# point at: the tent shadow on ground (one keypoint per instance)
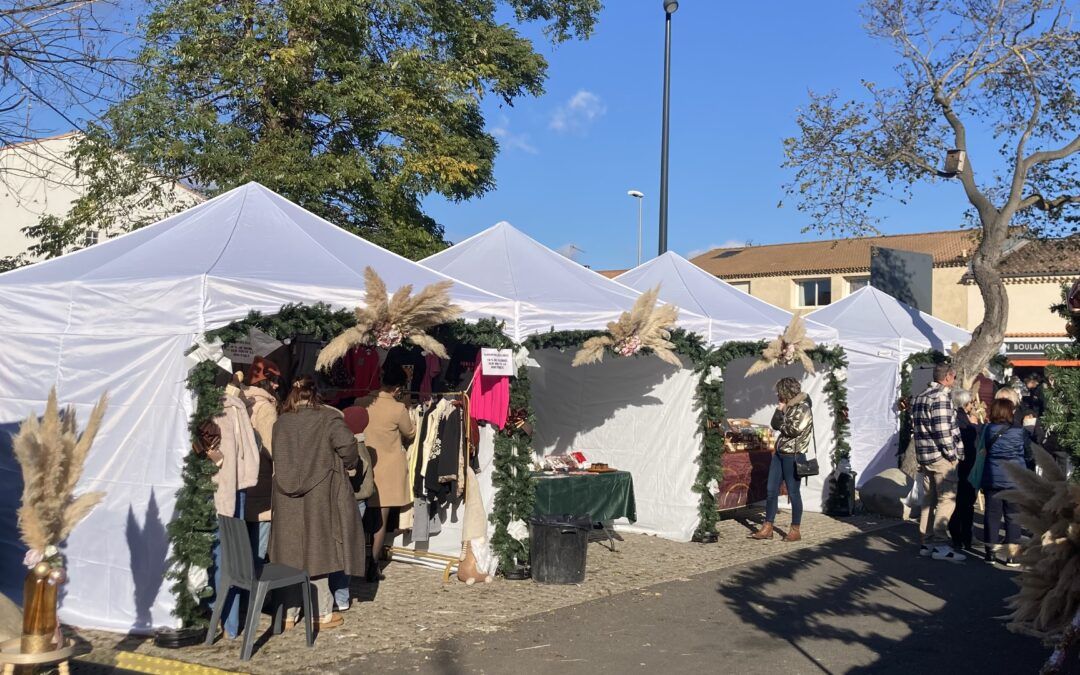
(890, 602)
(148, 547)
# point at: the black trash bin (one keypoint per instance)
(557, 547)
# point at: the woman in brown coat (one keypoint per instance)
(389, 426)
(316, 526)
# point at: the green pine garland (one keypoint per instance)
(191, 532)
(513, 478)
(1062, 414)
(930, 357)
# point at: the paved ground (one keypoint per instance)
(413, 607)
(863, 604)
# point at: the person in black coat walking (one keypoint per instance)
(961, 523)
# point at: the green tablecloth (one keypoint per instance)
(601, 496)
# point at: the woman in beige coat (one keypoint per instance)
(389, 427)
(262, 402)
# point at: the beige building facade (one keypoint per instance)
(38, 179)
(804, 276)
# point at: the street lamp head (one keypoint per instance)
(635, 193)
(670, 6)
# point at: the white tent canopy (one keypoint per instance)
(879, 333)
(119, 317)
(551, 291)
(732, 314)
(634, 414)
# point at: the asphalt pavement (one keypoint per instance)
(866, 604)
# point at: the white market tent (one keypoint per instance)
(119, 317)
(734, 315)
(635, 414)
(731, 313)
(879, 333)
(550, 291)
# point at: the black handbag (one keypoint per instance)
(806, 467)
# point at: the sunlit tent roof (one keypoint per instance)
(733, 314)
(551, 291)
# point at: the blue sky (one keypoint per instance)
(740, 71)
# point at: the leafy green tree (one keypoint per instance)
(354, 109)
(1008, 69)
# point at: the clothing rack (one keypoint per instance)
(445, 562)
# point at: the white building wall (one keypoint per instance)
(37, 179)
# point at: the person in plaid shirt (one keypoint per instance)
(938, 449)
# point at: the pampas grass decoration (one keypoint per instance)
(789, 347)
(52, 455)
(1049, 507)
(402, 317)
(645, 326)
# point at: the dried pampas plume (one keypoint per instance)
(52, 455)
(1049, 507)
(646, 326)
(386, 321)
(787, 348)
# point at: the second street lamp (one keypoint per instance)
(639, 196)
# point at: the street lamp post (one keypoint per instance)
(669, 8)
(639, 196)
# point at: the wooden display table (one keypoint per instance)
(10, 656)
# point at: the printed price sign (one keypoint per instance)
(497, 361)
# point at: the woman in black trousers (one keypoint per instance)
(960, 525)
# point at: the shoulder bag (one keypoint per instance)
(806, 467)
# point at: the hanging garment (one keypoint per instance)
(433, 366)
(462, 364)
(362, 364)
(441, 482)
(305, 352)
(410, 359)
(490, 398)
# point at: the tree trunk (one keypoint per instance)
(989, 335)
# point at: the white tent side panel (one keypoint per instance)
(116, 557)
(635, 414)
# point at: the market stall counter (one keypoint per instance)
(603, 496)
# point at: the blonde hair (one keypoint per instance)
(1009, 394)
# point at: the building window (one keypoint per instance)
(814, 292)
(857, 283)
(743, 286)
(90, 238)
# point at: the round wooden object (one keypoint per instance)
(11, 656)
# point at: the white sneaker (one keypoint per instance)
(947, 553)
(925, 551)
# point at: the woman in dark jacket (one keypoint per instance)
(1005, 444)
(961, 523)
(794, 420)
(316, 526)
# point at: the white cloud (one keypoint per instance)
(578, 113)
(510, 140)
(730, 243)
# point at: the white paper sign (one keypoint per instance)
(497, 361)
(257, 344)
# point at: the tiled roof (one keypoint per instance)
(611, 274)
(1043, 258)
(952, 248)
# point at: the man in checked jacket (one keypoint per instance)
(939, 449)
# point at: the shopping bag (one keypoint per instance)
(915, 497)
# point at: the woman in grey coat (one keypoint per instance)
(316, 526)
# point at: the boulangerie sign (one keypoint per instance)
(497, 362)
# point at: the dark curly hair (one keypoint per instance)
(788, 388)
